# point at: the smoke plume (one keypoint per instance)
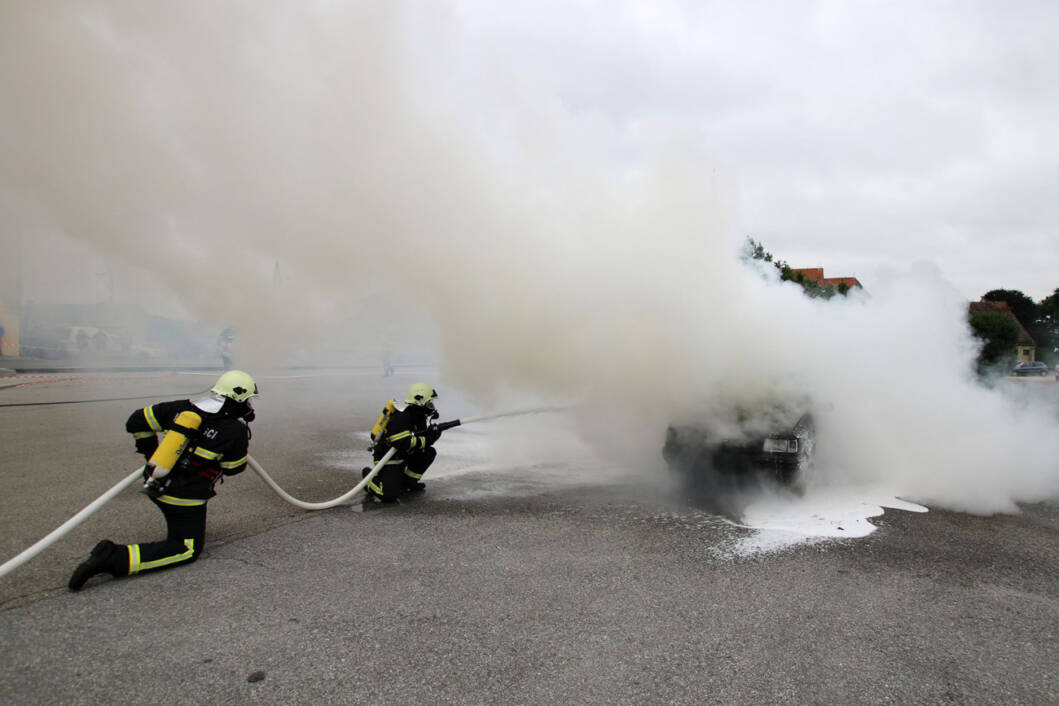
(374, 148)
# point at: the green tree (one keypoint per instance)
(1029, 315)
(1049, 306)
(1024, 308)
(999, 335)
(1046, 328)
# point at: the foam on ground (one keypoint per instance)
(781, 522)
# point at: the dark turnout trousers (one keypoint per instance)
(185, 520)
(401, 473)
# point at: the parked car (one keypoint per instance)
(1031, 367)
(776, 443)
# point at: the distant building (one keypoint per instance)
(1026, 348)
(816, 274)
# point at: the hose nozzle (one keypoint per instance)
(448, 425)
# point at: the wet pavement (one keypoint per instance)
(527, 573)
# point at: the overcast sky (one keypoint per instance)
(859, 135)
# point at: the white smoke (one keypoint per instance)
(358, 145)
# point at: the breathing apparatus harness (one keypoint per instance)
(170, 452)
(181, 438)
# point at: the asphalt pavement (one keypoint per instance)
(507, 582)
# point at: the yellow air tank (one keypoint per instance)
(384, 420)
(173, 444)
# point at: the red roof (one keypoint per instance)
(816, 274)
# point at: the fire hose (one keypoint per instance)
(63, 529)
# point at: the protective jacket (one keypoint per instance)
(219, 447)
(407, 431)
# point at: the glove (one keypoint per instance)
(146, 446)
(249, 415)
(432, 434)
(434, 414)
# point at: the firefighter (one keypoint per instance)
(411, 432)
(217, 446)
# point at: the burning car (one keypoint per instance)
(776, 443)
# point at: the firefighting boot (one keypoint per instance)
(103, 559)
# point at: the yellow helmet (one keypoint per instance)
(235, 385)
(421, 394)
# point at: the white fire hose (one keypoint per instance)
(12, 564)
(256, 467)
(63, 529)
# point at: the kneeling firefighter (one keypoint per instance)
(411, 432)
(202, 439)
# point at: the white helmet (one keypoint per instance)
(421, 394)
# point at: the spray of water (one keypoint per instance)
(360, 146)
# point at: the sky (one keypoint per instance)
(859, 135)
(552, 198)
(855, 136)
